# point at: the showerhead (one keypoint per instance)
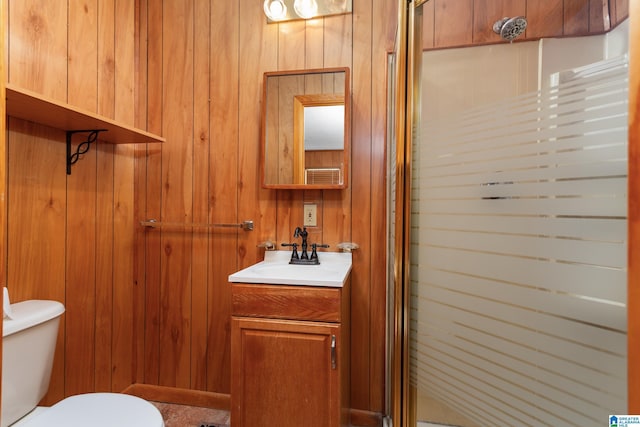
(510, 28)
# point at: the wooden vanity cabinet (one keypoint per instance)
(289, 356)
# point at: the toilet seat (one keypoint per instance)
(99, 410)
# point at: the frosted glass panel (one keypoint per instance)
(519, 254)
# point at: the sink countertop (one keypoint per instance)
(332, 271)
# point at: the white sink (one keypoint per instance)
(332, 271)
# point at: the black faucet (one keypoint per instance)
(302, 232)
(303, 257)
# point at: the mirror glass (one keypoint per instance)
(305, 129)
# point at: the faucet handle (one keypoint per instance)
(314, 253)
(294, 253)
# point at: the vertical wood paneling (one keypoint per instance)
(223, 199)
(361, 198)
(153, 194)
(36, 221)
(596, 16)
(123, 221)
(201, 155)
(622, 10)
(314, 43)
(81, 215)
(336, 205)
(82, 65)
(545, 18)
(576, 17)
(36, 194)
(271, 128)
(338, 31)
(104, 310)
(104, 199)
(611, 6)
(383, 34)
(448, 23)
(453, 23)
(258, 53)
(177, 196)
(243, 47)
(38, 46)
(139, 184)
(428, 25)
(79, 249)
(292, 37)
(80, 319)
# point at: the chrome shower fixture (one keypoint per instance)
(510, 28)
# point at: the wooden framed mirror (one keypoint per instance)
(306, 129)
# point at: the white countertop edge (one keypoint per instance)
(340, 259)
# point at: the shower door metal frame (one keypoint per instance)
(404, 113)
(633, 271)
(407, 86)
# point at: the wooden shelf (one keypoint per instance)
(31, 106)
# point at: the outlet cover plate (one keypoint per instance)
(310, 215)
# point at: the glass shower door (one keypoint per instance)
(516, 271)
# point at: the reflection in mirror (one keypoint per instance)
(306, 129)
(319, 137)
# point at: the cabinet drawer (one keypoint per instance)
(286, 302)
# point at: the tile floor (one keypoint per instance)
(192, 416)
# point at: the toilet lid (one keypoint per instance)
(100, 410)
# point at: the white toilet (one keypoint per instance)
(28, 345)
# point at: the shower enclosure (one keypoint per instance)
(514, 257)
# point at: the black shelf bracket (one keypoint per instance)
(83, 147)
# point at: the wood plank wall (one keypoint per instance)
(70, 238)
(456, 23)
(203, 91)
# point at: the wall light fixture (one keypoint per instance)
(275, 10)
(289, 10)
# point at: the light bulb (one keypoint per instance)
(275, 9)
(306, 8)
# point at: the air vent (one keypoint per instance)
(323, 176)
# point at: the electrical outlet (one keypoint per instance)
(310, 215)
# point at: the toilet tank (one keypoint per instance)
(28, 345)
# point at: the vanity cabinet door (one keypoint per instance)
(285, 373)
